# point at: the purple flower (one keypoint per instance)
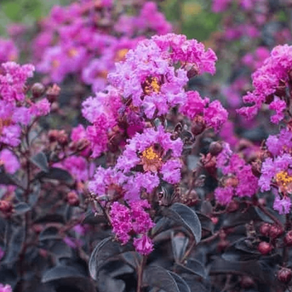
(283, 205)
(121, 221)
(143, 245)
(5, 288)
(10, 161)
(148, 149)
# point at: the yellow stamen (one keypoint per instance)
(150, 154)
(151, 85)
(55, 63)
(72, 53)
(120, 55)
(283, 178)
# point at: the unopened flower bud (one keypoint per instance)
(223, 243)
(53, 135)
(73, 199)
(5, 206)
(198, 125)
(256, 168)
(288, 238)
(284, 275)
(246, 282)
(232, 207)
(53, 92)
(275, 231)
(264, 247)
(37, 90)
(265, 229)
(62, 138)
(209, 163)
(215, 148)
(192, 72)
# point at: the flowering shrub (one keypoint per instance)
(126, 164)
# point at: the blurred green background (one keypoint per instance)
(192, 17)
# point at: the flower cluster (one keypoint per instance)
(238, 179)
(270, 82)
(276, 170)
(88, 37)
(133, 218)
(8, 51)
(15, 109)
(5, 288)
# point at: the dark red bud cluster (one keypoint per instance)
(53, 92)
(233, 206)
(269, 230)
(6, 207)
(73, 199)
(209, 163)
(215, 148)
(58, 136)
(246, 282)
(198, 125)
(264, 247)
(288, 238)
(284, 275)
(189, 198)
(37, 90)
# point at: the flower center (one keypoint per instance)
(150, 154)
(55, 63)
(151, 85)
(4, 123)
(120, 55)
(150, 160)
(283, 178)
(72, 53)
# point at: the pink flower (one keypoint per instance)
(140, 150)
(8, 51)
(10, 161)
(283, 205)
(121, 221)
(143, 244)
(272, 75)
(238, 179)
(5, 288)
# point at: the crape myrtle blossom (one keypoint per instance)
(190, 54)
(5, 288)
(102, 112)
(276, 172)
(238, 179)
(86, 38)
(270, 82)
(135, 219)
(150, 149)
(8, 51)
(16, 109)
(111, 183)
(149, 78)
(9, 161)
(212, 114)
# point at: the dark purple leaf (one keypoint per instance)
(156, 276)
(192, 266)
(40, 160)
(49, 233)
(14, 238)
(57, 174)
(104, 250)
(179, 244)
(21, 208)
(185, 216)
